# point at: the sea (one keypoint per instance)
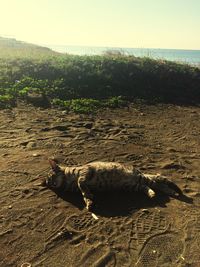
(191, 57)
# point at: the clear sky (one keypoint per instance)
(119, 23)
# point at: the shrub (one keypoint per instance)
(6, 101)
(56, 102)
(68, 77)
(88, 105)
(115, 102)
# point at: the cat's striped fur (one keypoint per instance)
(103, 176)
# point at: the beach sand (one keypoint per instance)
(44, 229)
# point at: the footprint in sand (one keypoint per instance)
(161, 250)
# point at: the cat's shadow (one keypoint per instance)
(110, 204)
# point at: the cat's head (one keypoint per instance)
(56, 176)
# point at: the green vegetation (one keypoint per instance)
(6, 101)
(88, 105)
(83, 83)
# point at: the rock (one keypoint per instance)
(36, 155)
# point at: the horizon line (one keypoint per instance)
(96, 46)
(118, 47)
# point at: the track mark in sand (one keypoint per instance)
(98, 256)
(192, 237)
(56, 238)
(90, 252)
(81, 222)
(8, 231)
(107, 259)
(128, 236)
(72, 230)
(173, 165)
(132, 233)
(149, 223)
(161, 250)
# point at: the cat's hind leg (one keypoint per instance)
(142, 183)
(164, 185)
(148, 191)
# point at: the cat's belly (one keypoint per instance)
(112, 181)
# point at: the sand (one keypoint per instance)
(44, 229)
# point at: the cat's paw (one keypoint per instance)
(151, 193)
(166, 186)
(89, 204)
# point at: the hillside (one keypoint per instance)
(10, 47)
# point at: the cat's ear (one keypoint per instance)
(54, 165)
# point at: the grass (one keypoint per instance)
(80, 83)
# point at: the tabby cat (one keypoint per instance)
(104, 176)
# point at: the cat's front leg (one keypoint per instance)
(85, 191)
